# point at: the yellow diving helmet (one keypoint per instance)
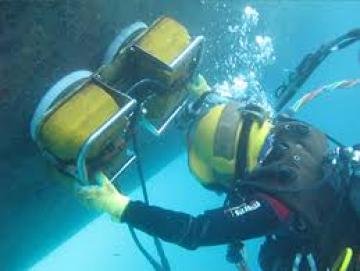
(226, 139)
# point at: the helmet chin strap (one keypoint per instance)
(250, 114)
(242, 150)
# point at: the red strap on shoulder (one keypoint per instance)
(282, 211)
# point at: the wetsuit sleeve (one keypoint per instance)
(251, 218)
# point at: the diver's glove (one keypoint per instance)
(104, 197)
(198, 86)
(199, 90)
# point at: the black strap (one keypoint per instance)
(249, 114)
(242, 151)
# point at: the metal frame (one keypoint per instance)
(131, 159)
(82, 171)
(186, 53)
(180, 60)
(159, 131)
(86, 147)
(81, 167)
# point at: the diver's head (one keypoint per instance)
(224, 142)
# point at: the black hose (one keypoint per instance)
(143, 251)
(165, 266)
(310, 62)
(146, 82)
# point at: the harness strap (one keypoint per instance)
(250, 114)
(310, 260)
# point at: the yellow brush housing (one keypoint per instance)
(66, 129)
(157, 49)
(165, 40)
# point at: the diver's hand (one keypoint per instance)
(103, 197)
(198, 86)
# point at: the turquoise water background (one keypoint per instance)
(296, 27)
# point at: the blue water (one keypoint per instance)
(105, 245)
(296, 29)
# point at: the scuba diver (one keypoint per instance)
(277, 182)
(281, 178)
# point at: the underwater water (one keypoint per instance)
(250, 48)
(105, 245)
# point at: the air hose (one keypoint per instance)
(160, 250)
(307, 66)
(308, 97)
(164, 263)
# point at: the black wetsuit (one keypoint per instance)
(290, 197)
(244, 218)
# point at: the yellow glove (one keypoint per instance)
(198, 86)
(104, 197)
